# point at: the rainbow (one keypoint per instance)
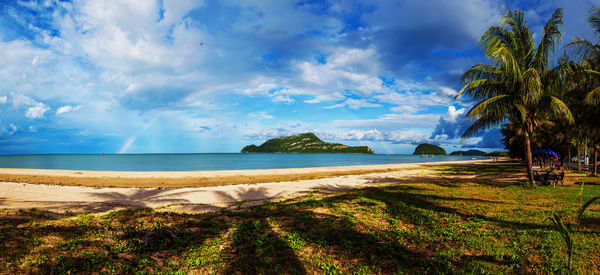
(227, 86)
(130, 140)
(219, 87)
(128, 143)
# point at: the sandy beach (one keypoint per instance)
(179, 179)
(197, 191)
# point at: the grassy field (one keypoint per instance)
(472, 219)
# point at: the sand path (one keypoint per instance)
(201, 199)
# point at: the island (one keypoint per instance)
(304, 143)
(468, 153)
(429, 149)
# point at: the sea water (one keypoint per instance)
(197, 162)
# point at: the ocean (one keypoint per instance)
(206, 162)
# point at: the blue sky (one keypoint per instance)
(212, 76)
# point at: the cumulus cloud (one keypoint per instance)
(2, 99)
(36, 111)
(67, 108)
(452, 124)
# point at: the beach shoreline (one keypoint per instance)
(187, 179)
(181, 192)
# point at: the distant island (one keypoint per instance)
(468, 153)
(304, 143)
(429, 149)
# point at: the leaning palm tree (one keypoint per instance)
(511, 89)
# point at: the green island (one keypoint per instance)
(304, 143)
(468, 153)
(429, 149)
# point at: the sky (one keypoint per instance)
(184, 76)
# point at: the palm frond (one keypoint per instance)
(483, 122)
(491, 107)
(533, 83)
(480, 71)
(593, 97)
(550, 37)
(594, 18)
(581, 49)
(557, 107)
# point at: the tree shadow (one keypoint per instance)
(256, 249)
(400, 202)
(246, 197)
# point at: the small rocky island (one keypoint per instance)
(429, 149)
(304, 143)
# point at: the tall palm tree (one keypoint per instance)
(511, 88)
(588, 53)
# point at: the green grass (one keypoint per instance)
(491, 223)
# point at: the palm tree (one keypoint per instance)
(588, 54)
(511, 88)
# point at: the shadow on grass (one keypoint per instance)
(308, 236)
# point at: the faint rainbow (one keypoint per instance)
(214, 88)
(130, 140)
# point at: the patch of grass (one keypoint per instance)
(468, 219)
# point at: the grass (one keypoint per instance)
(468, 219)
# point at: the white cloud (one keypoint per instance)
(12, 129)
(3, 99)
(392, 121)
(453, 114)
(270, 133)
(36, 111)
(19, 101)
(67, 108)
(260, 115)
(355, 104)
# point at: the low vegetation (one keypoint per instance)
(462, 219)
(429, 149)
(304, 143)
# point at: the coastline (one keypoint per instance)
(187, 179)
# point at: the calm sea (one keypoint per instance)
(195, 162)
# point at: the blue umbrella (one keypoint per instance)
(545, 152)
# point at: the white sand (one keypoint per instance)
(202, 199)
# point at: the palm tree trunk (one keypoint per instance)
(595, 160)
(569, 160)
(579, 157)
(528, 157)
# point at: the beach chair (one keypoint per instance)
(541, 177)
(555, 178)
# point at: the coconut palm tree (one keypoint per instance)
(512, 89)
(588, 54)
